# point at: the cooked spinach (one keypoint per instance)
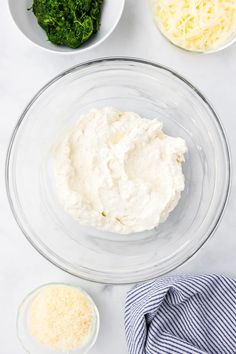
(68, 22)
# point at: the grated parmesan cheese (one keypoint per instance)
(198, 25)
(61, 317)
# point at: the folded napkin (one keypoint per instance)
(182, 315)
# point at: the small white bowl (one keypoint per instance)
(28, 25)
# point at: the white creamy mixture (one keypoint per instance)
(119, 172)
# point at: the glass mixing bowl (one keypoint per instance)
(129, 85)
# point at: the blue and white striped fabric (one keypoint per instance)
(194, 314)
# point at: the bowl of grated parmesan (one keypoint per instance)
(57, 318)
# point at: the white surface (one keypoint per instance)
(27, 23)
(23, 70)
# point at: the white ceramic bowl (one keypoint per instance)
(28, 25)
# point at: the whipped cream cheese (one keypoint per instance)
(119, 172)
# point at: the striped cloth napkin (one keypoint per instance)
(193, 314)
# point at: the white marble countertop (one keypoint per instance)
(24, 68)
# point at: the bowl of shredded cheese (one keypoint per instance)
(57, 318)
(196, 25)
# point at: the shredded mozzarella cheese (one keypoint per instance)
(197, 25)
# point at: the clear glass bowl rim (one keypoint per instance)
(128, 60)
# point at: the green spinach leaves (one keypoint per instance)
(68, 22)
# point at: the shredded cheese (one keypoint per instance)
(60, 317)
(198, 25)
